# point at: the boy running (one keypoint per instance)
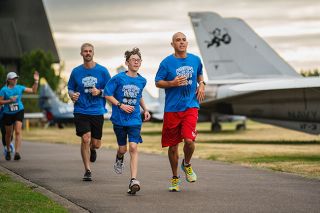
(124, 91)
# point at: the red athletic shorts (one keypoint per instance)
(178, 126)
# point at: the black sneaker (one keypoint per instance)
(93, 155)
(87, 176)
(8, 156)
(17, 156)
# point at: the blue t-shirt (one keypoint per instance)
(180, 98)
(127, 90)
(7, 93)
(82, 80)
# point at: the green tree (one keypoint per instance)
(3, 75)
(40, 61)
(310, 73)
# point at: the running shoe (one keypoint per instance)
(175, 184)
(17, 156)
(87, 176)
(118, 165)
(93, 155)
(8, 156)
(190, 174)
(12, 150)
(134, 186)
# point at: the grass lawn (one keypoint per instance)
(16, 197)
(260, 145)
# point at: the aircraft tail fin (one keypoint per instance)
(230, 49)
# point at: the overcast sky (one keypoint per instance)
(291, 27)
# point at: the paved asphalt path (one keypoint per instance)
(221, 187)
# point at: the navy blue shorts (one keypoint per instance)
(124, 132)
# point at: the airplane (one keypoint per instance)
(56, 111)
(247, 77)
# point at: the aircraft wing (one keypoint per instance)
(295, 83)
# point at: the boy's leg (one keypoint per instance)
(133, 149)
(119, 163)
(121, 151)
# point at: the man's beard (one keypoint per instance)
(87, 59)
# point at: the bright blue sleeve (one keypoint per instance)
(110, 87)
(2, 92)
(199, 71)
(71, 82)
(162, 73)
(22, 88)
(108, 76)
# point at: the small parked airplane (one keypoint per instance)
(247, 77)
(56, 111)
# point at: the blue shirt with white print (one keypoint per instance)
(7, 93)
(127, 90)
(180, 98)
(82, 80)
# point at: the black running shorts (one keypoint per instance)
(89, 123)
(10, 119)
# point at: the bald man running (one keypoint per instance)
(180, 74)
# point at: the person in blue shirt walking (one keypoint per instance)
(180, 74)
(85, 88)
(13, 111)
(124, 91)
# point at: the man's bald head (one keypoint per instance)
(180, 44)
(178, 34)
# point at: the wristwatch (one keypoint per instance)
(119, 104)
(204, 83)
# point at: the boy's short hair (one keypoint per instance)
(134, 51)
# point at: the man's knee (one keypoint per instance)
(173, 148)
(188, 141)
(86, 138)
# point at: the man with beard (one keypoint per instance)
(85, 88)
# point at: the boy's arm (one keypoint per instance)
(146, 113)
(124, 107)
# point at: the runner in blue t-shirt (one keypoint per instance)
(124, 91)
(179, 74)
(85, 88)
(3, 135)
(13, 110)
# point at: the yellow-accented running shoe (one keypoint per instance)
(190, 174)
(175, 185)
